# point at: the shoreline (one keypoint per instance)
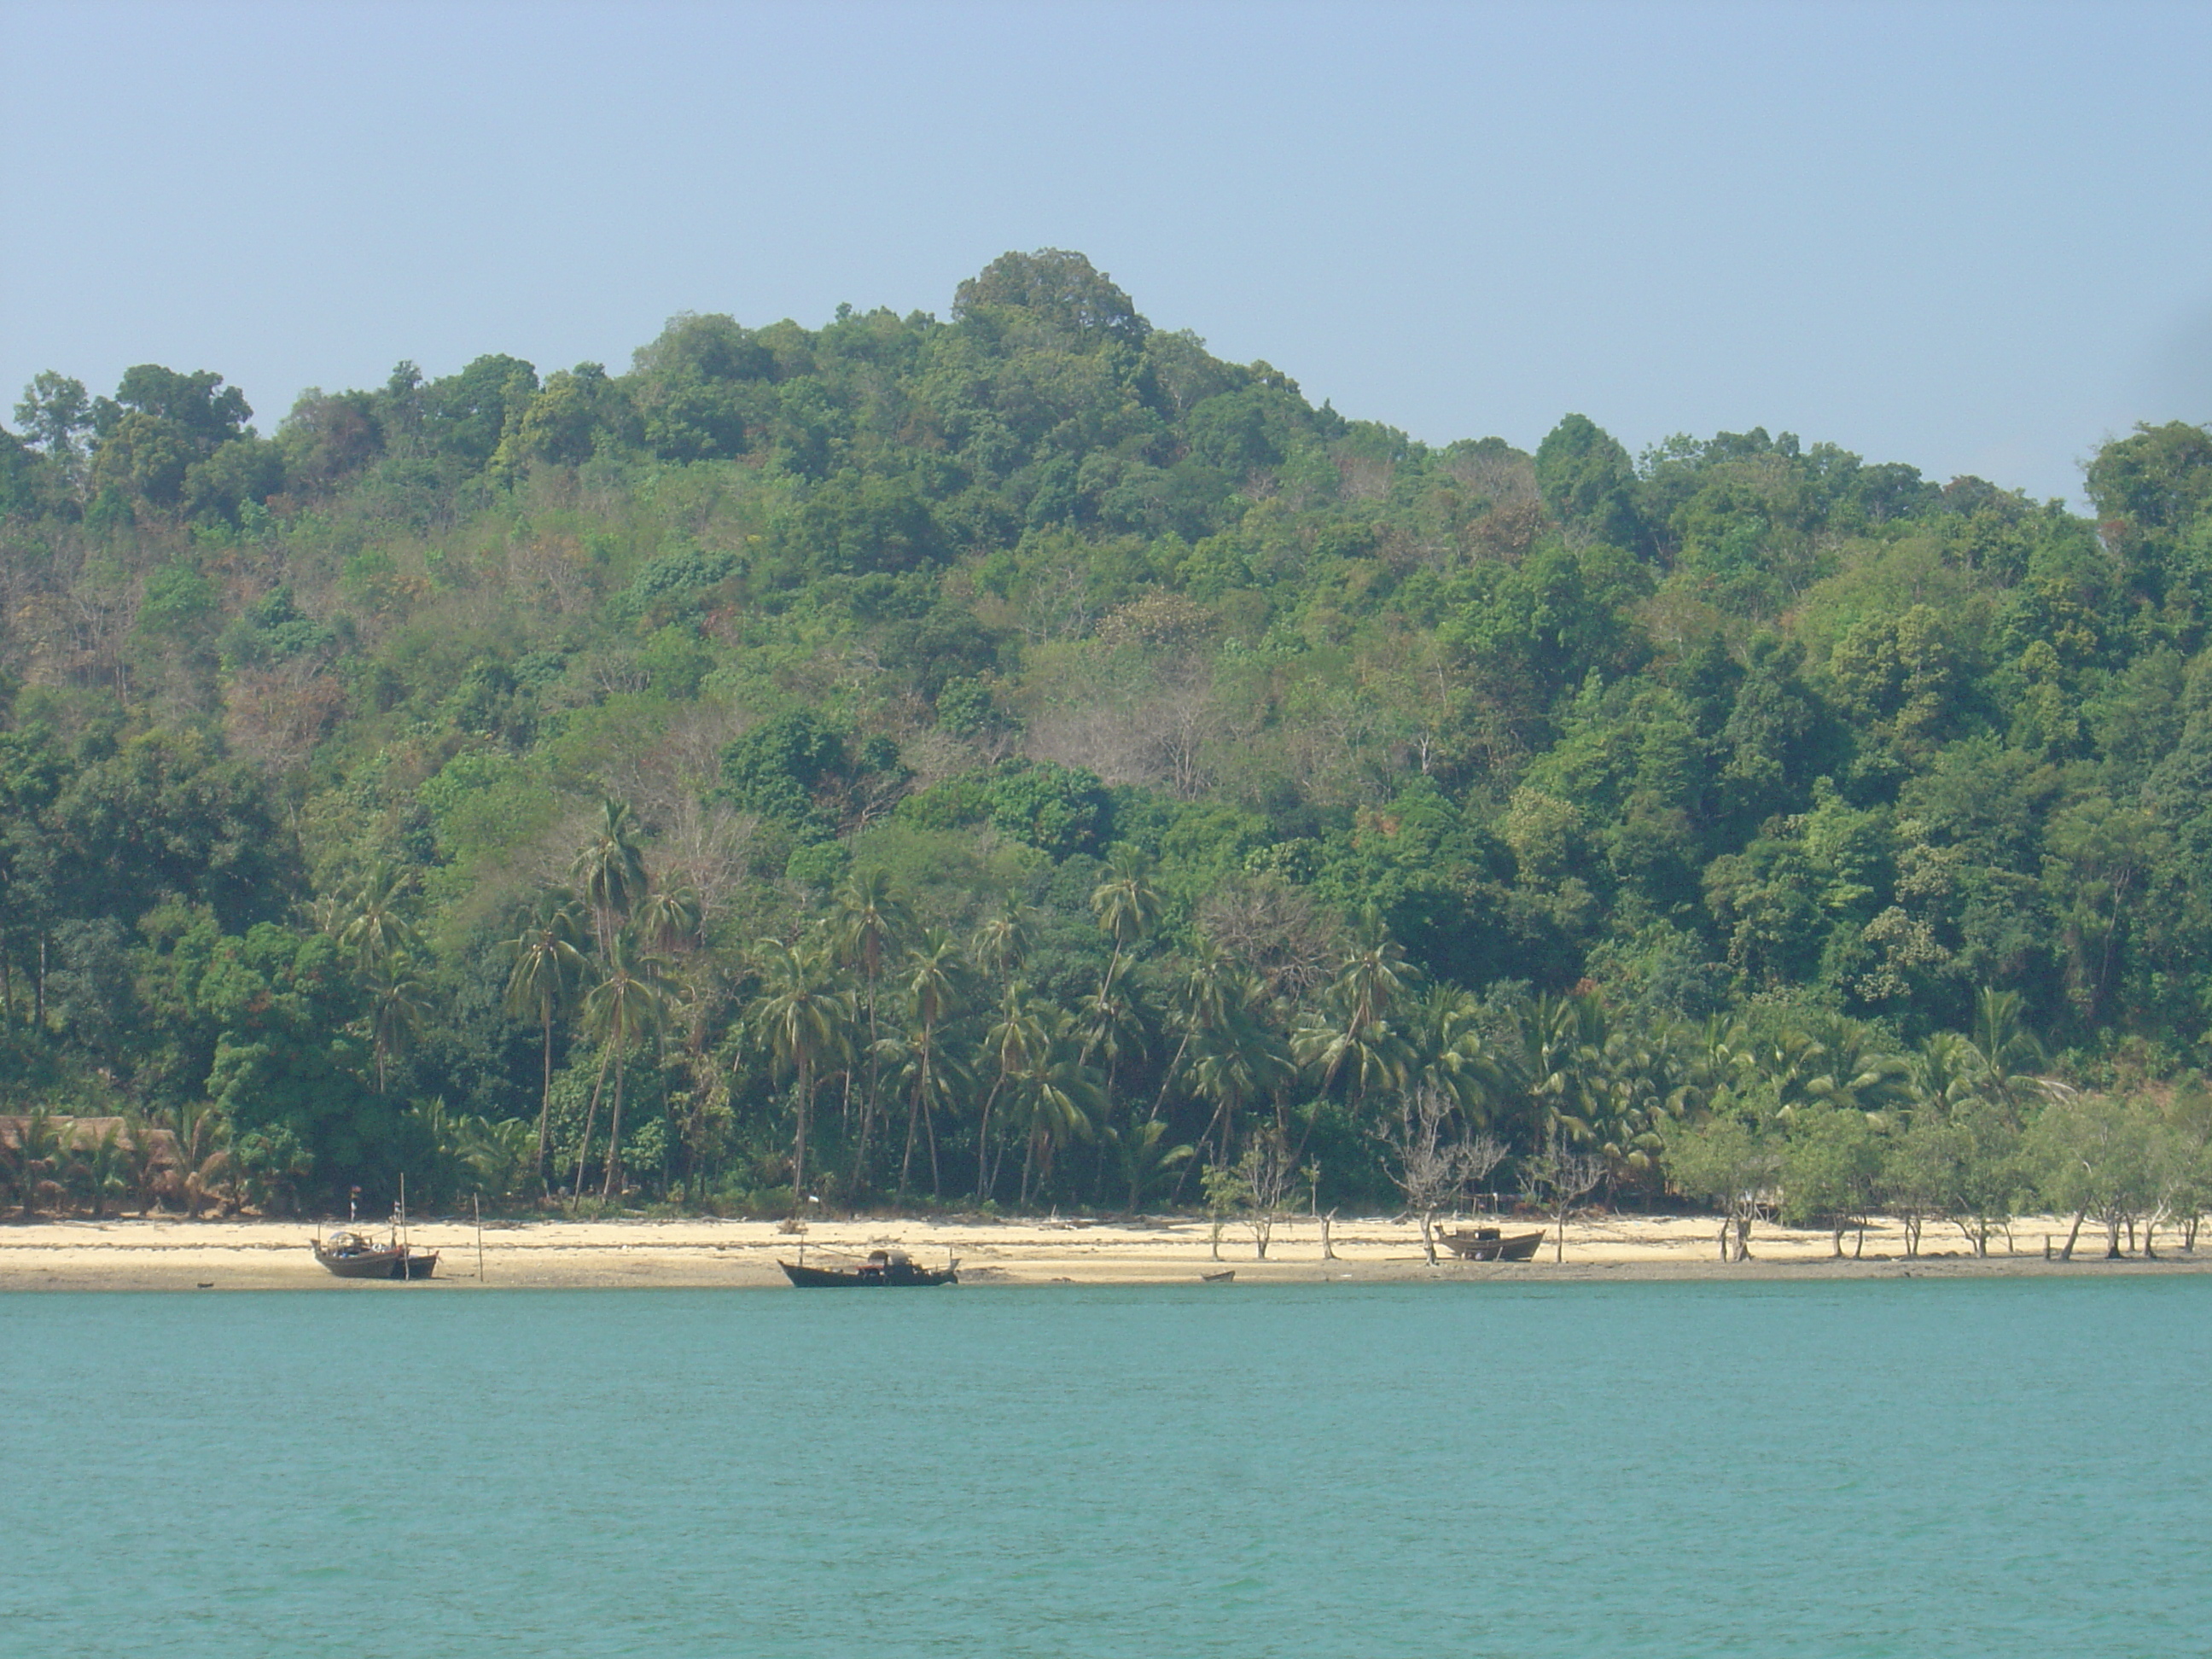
(173, 1254)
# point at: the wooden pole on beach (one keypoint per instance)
(476, 1200)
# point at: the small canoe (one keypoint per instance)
(1488, 1244)
(881, 1267)
(1221, 1277)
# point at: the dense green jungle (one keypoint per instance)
(1021, 760)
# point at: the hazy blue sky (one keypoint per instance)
(1975, 238)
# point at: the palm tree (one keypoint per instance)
(934, 979)
(549, 964)
(1557, 1065)
(1144, 1156)
(203, 1156)
(870, 920)
(1351, 1037)
(1235, 1059)
(1854, 1074)
(1202, 990)
(1128, 907)
(374, 926)
(2009, 1051)
(629, 1003)
(33, 1160)
(1058, 1100)
(1114, 1024)
(96, 1166)
(1003, 941)
(1948, 1072)
(1015, 1044)
(669, 921)
(398, 1003)
(608, 869)
(805, 1021)
(1449, 1053)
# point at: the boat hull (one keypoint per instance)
(381, 1264)
(826, 1279)
(1476, 1247)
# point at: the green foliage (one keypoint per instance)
(1852, 767)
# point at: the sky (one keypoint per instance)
(1974, 238)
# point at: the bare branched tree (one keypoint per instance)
(1556, 1179)
(1277, 930)
(1431, 1166)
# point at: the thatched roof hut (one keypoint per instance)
(78, 1133)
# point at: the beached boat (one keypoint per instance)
(1488, 1244)
(356, 1255)
(1224, 1277)
(881, 1267)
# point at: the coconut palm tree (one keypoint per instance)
(1853, 1071)
(935, 979)
(869, 920)
(202, 1154)
(33, 1158)
(630, 1004)
(1015, 1044)
(1557, 1066)
(548, 966)
(1003, 941)
(373, 925)
(1144, 1156)
(805, 1020)
(1059, 1100)
(2009, 1051)
(1351, 1039)
(609, 869)
(1203, 984)
(1235, 1059)
(668, 920)
(1128, 907)
(1449, 1053)
(398, 1003)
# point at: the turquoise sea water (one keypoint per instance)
(1953, 1468)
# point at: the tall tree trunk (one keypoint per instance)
(614, 1133)
(875, 1081)
(591, 1123)
(914, 1115)
(545, 1110)
(929, 1134)
(2080, 1216)
(983, 1145)
(798, 1143)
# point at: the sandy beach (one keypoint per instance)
(171, 1253)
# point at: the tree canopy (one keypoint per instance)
(1733, 746)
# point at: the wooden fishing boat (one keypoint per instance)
(881, 1267)
(1488, 1244)
(1221, 1277)
(356, 1255)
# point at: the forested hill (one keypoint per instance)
(987, 754)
